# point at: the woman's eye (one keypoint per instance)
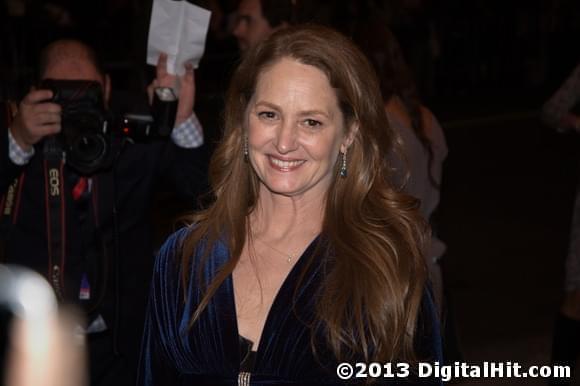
(267, 115)
(312, 123)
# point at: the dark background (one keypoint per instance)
(483, 67)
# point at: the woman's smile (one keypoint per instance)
(284, 164)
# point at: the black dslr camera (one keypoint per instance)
(88, 129)
(84, 136)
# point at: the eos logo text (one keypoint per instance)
(54, 182)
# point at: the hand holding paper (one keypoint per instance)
(179, 29)
(186, 90)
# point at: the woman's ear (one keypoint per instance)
(349, 139)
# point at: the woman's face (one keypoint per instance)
(295, 129)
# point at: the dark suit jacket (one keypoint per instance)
(114, 254)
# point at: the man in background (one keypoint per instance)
(94, 245)
(258, 19)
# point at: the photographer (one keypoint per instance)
(89, 230)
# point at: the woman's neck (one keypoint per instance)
(278, 217)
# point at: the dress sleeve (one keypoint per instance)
(428, 342)
(160, 348)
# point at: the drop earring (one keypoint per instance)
(246, 152)
(343, 167)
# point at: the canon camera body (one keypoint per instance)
(87, 128)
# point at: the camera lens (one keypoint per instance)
(89, 149)
(87, 144)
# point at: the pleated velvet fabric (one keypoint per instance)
(208, 352)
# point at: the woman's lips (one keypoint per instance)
(285, 165)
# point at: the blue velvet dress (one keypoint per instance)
(209, 352)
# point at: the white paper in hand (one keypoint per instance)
(179, 29)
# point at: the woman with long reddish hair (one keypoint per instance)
(307, 256)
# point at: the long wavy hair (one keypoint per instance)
(372, 289)
(395, 78)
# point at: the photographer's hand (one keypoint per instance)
(35, 119)
(186, 92)
(186, 95)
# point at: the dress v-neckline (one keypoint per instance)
(283, 288)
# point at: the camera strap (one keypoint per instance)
(55, 205)
(10, 201)
(9, 205)
(56, 227)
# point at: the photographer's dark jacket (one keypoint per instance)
(107, 260)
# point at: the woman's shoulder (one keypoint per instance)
(176, 239)
(179, 248)
(171, 250)
(428, 342)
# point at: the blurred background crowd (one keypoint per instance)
(454, 47)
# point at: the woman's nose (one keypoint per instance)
(287, 137)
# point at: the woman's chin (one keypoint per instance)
(284, 190)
